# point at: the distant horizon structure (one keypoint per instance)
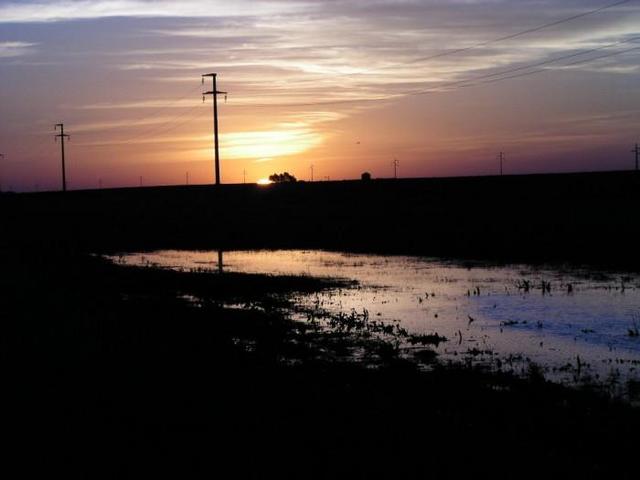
(311, 168)
(501, 158)
(396, 164)
(62, 136)
(214, 92)
(637, 152)
(2, 156)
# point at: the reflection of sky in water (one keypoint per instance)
(427, 296)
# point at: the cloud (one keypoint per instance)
(294, 68)
(15, 49)
(50, 11)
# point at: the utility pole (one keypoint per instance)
(396, 164)
(187, 178)
(62, 136)
(637, 152)
(311, 168)
(501, 157)
(214, 92)
(244, 176)
(2, 156)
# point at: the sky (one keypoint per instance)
(343, 86)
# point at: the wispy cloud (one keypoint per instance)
(300, 72)
(49, 11)
(15, 49)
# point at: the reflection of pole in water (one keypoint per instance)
(220, 261)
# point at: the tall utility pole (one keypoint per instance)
(62, 136)
(501, 158)
(396, 164)
(214, 92)
(637, 152)
(311, 168)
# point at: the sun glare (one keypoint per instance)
(269, 144)
(264, 181)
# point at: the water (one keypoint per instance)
(575, 329)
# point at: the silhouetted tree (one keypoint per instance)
(365, 177)
(285, 177)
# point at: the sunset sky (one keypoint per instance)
(344, 86)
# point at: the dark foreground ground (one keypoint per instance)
(116, 372)
(108, 372)
(587, 218)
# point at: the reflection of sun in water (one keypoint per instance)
(264, 181)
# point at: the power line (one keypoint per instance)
(462, 82)
(152, 129)
(471, 47)
(529, 66)
(170, 126)
(156, 110)
(162, 128)
(494, 40)
(522, 33)
(535, 72)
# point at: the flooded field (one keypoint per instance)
(572, 325)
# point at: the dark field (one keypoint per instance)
(581, 218)
(125, 372)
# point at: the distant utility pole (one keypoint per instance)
(311, 168)
(62, 136)
(187, 178)
(244, 176)
(2, 156)
(637, 152)
(214, 92)
(396, 164)
(501, 158)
